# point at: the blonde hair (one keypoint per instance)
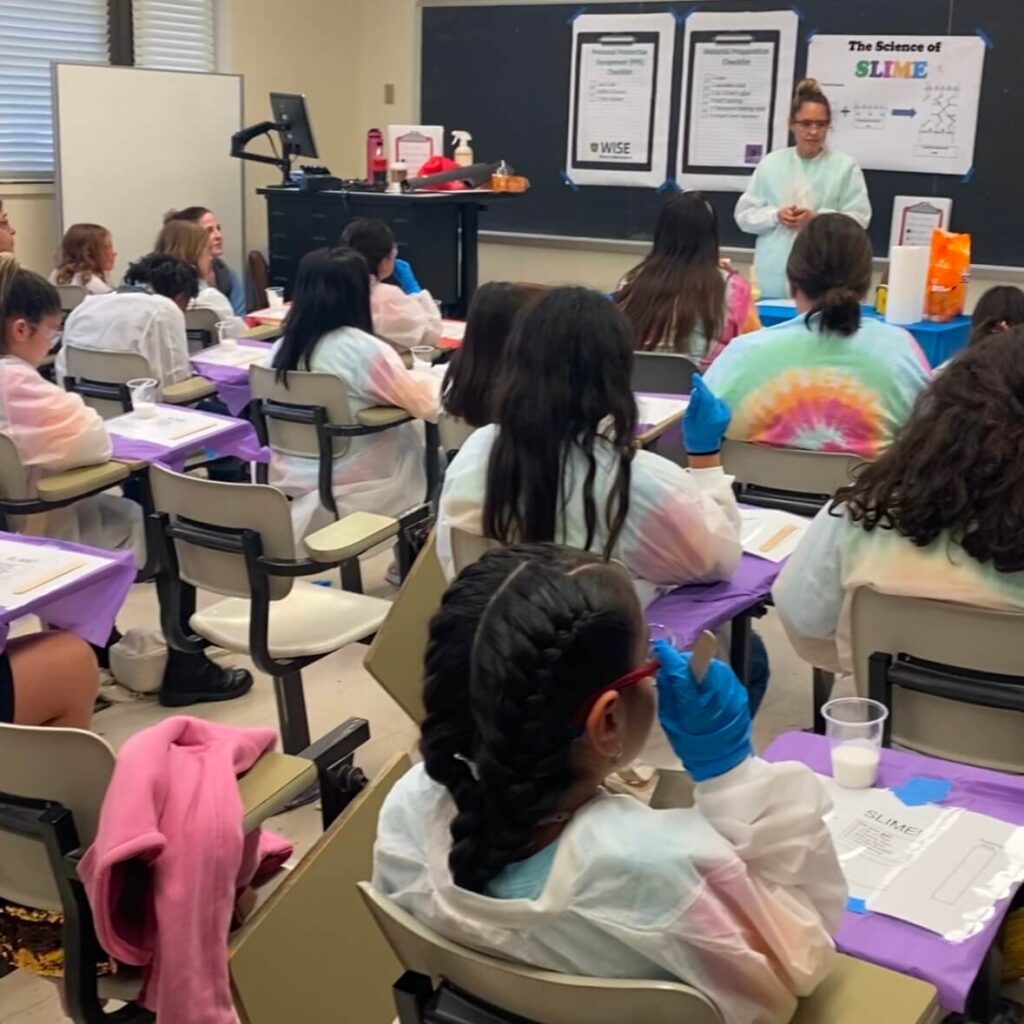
(81, 252)
(183, 240)
(808, 90)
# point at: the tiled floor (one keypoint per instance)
(337, 687)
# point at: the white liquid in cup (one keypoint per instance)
(855, 766)
(275, 298)
(145, 410)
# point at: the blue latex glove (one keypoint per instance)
(405, 278)
(707, 723)
(706, 420)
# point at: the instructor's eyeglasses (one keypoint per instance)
(812, 126)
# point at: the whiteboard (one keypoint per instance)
(133, 143)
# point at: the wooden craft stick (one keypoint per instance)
(703, 652)
(778, 537)
(49, 576)
(190, 431)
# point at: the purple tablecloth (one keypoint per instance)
(86, 606)
(688, 611)
(231, 382)
(238, 438)
(950, 967)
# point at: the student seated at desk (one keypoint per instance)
(403, 313)
(540, 684)
(681, 298)
(150, 322)
(472, 377)
(562, 465)
(191, 243)
(328, 330)
(54, 430)
(224, 278)
(937, 516)
(1000, 309)
(828, 380)
(86, 256)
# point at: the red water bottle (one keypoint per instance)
(374, 148)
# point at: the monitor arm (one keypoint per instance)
(242, 138)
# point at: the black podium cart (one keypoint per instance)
(435, 231)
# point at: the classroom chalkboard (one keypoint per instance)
(502, 72)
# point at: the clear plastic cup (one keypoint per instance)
(275, 298)
(854, 726)
(227, 331)
(144, 392)
(422, 356)
(656, 631)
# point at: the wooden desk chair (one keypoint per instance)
(474, 987)
(452, 433)
(200, 328)
(665, 373)
(951, 675)
(52, 785)
(101, 377)
(311, 952)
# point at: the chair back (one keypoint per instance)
(230, 509)
(527, 994)
(395, 657)
(950, 707)
(71, 295)
(787, 478)
(468, 548)
(13, 478)
(259, 281)
(452, 432)
(668, 373)
(316, 931)
(290, 413)
(70, 767)
(200, 328)
(99, 376)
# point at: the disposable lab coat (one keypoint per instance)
(737, 897)
(830, 183)
(404, 320)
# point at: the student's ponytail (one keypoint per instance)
(830, 265)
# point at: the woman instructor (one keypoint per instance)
(791, 186)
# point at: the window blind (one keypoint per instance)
(31, 35)
(177, 35)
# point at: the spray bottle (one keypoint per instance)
(463, 154)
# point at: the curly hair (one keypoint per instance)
(954, 469)
(165, 275)
(81, 252)
(527, 641)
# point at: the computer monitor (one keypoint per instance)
(289, 111)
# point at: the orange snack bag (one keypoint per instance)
(949, 271)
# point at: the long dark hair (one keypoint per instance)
(679, 285)
(518, 646)
(472, 376)
(954, 468)
(24, 295)
(999, 309)
(332, 290)
(566, 371)
(831, 265)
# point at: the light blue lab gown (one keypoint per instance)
(830, 183)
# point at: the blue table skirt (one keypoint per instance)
(937, 341)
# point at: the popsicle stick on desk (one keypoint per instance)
(49, 576)
(771, 534)
(777, 538)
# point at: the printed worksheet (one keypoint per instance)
(652, 410)
(168, 428)
(231, 355)
(30, 571)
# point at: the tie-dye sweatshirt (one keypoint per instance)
(794, 387)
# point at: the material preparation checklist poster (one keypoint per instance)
(619, 99)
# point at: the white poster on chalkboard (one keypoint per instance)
(619, 99)
(914, 218)
(902, 103)
(736, 90)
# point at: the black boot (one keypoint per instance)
(194, 679)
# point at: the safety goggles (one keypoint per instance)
(644, 671)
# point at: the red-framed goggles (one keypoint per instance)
(647, 670)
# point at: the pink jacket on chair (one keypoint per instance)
(169, 857)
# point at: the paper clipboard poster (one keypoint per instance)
(914, 218)
(414, 144)
(619, 99)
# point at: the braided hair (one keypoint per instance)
(533, 641)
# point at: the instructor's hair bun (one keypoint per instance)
(806, 87)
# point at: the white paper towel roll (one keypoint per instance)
(908, 279)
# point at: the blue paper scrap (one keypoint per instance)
(967, 177)
(566, 180)
(918, 791)
(855, 906)
(985, 38)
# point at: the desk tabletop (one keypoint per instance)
(455, 197)
(779, 312)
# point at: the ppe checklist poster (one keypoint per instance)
(737, 81)
(902, 103)
(619, 100)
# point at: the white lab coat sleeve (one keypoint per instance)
(462, 495)
(683, 525)
(213, 299)
(388, 382)
(809, 592)
(404, 320)
(792, 895)
(755, 212)
(855, 201)
(167, 345)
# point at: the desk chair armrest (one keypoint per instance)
(349, 537)
(77, 483)
(187, 391)
(272, 783)
(381, 416)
